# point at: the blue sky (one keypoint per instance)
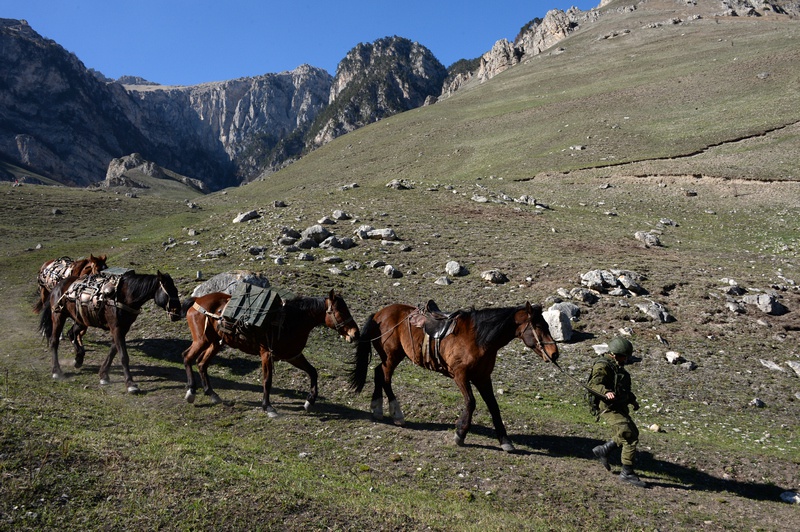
(186, 42)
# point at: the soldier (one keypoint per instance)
(610, 379)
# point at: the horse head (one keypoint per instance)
(97, 264)
(535, 333)
(167, 297)
(337, 316)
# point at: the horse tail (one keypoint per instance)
(39, 305)
(46, 321)
(358, 373)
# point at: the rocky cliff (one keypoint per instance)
(377, 80)
(63, 121)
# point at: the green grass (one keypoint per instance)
(75, 455)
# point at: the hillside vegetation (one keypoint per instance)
(614, 133)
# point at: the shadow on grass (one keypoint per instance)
(686, 478)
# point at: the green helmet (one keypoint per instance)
(620, 346)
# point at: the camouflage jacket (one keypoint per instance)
(608, 376)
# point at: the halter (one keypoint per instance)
(339, 326)
(169, 300)
(539, 343)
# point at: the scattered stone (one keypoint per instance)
(794, 365)
(340, 215)
(216, 253)
(443, 281)
(570, 310)
(494, 276)
(246, 216)
(454, 268)
(767, 303)
(559, 324)
(308, 257)
(376, 263)
(689, 365)
(655, 428)
(399, 184)
(392, 272)
(279, 204)
(771, 365)
(648, 238)
(758, 403)
(657, 311)
(316, 232)
(673, 357)
(790, 497)
(227, 281)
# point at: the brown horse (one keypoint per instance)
(54, 271)
(300, 315)
(110, 302)
(467, 355)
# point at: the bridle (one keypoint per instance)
(170, 300)
(539, 342)
(338, 326)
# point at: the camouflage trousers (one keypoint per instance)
(626, 434)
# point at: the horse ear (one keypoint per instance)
(332, 295)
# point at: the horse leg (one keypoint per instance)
(58, 321)
(383, 378)
(487, 393)
(301, 362)
(465, 420)
(190, 355)
(75, 335)
(104, 367)
(266, 380)
(123, 356)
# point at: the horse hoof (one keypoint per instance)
(400, 422)
(190, 395)
(271, 412)
(105, 382)
(133, 389)
(507, 447)
(459, 440)
(377, 409)
(215, 399)
(77, 364)
(58, 376)
(307, 406)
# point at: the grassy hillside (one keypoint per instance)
(676, 122)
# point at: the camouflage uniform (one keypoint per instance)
(608, 376)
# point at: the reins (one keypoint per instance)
(576, 381)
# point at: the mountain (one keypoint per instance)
(66, 123)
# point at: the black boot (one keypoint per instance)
(629, 476)
(601, 452)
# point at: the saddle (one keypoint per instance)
(436, 325)
(54, 272)
(92, 292)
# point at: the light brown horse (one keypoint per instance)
(300, 316)
(54, 271)
(467, 355)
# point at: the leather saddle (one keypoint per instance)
(436, 325)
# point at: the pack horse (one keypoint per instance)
(276, 329)
(107, 301)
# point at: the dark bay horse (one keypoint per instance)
(300, 316)
(110, 302)
(467, 355)
(54, 271)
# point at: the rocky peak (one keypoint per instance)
(377, 80)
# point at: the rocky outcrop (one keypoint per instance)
(377, 80)
(63, 121)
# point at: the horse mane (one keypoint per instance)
(491, 323)
(306, 304)
(138, 285)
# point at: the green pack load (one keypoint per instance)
(251, 305)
